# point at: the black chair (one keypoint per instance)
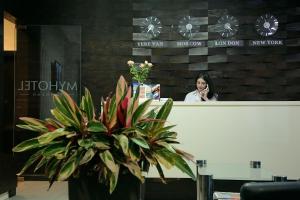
(270, 190)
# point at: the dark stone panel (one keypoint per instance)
(198, 51)
(194, 59)
(170, 51)
(198, 66)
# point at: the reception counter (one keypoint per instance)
(236, 133)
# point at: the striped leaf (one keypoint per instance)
(30, 161)
(61, 117)
(27, 145)
(135, 169)
(54, 149)
(42, 162)
(141, 142)
(71, 106)
(52, 167)
(183, 166)
(163, 114)
(121, 89)
(68, 167)
(96, 126)
(161, 173)
(123, 142)
(89, 154)
(87, 105)
(39, 129)
(165, 158)
(50, 136)
(134, 151)
(108, 160)
(140, 111)
(86, 143)
(32, 121)
(113, 179)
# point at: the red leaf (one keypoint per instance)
(50, 127)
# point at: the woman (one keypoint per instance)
(205, 90)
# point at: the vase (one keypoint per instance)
(142, 89)
(88, 188)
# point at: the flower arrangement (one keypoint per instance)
(139, 71)
(125, 137)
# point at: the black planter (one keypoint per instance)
(88, 188)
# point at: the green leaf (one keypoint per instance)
(86, 143)
(52, 167)
(108, 160)
(30, 161)
(123, 142)
(112, 110)
(27, 144)
(61, 117)
(34, 128)
(163, 132)
(68, 167)
(135, 169)
(50, 136)
(54, 123)
(161, 173)
(113, 179)
(139, 112)
(33, 121)
(42, 162)
(89, 154)
(166, 145)
(101, 146)
(59, 104)
(89, 104)
(68, 108)
(165, 158)
(95, 126)
(163, 114)
(54, 149)
(121, 89)
(100, 141)
(134, 151)
(183, 166)
(141, 142)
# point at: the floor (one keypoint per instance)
(38, 190)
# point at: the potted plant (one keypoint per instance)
(139, 71)
(123, 140)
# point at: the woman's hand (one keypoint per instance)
(204, 93)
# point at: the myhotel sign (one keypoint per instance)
(42, 86)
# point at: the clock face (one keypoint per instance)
(227, 26)
(152, 26)
(266, 25)
(188, 27)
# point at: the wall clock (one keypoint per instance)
(152, 26)
(187, 27)
(266, 25)
(227, 26)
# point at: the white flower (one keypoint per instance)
(142, 65)
(150, 64)
(146, 62)
(130, 62)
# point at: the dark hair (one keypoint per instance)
(209, 82)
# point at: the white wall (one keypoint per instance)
(237, 132)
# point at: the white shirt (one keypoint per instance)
(194, 96)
